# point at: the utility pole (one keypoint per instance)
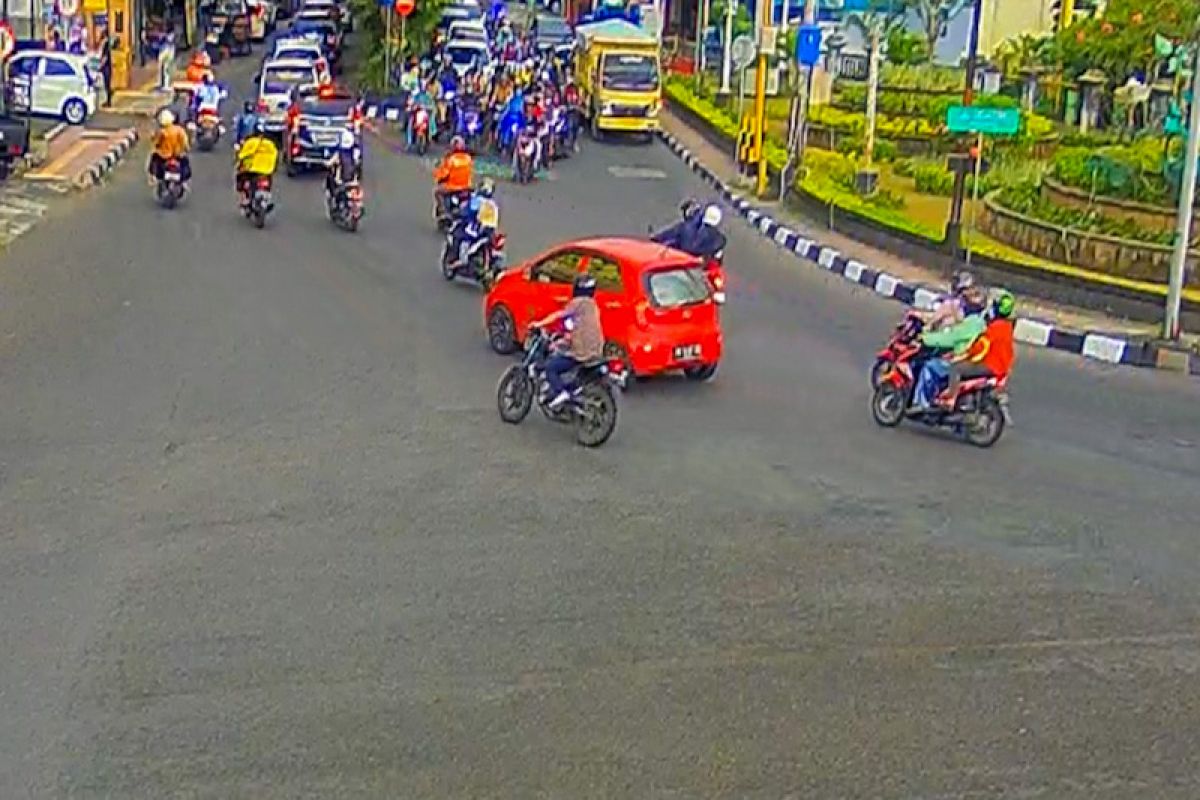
(1183, 218)
(760, 93)
(726, 51)
(954, 224)
(701, 27)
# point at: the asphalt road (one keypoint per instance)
(263, 535)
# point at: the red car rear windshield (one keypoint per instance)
(682, 286)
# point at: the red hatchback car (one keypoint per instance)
(656, 304)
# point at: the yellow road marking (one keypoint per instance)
(65, 158)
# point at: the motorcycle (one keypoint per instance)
(419, 121)
(903, 337)
(447, 208)
(979, 412)
(345, 206)
(560, 132)
(169, 189)
(484, 257)
(592, 406)
(208, 129)
(525, 159)
(470, 127)
(257, 201)
(510, 128)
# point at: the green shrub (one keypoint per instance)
(930, 77)
(1026, 199)
(885, 150)
(1129, 172)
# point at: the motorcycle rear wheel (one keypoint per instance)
(888, 405)
(596, 420)
(983, 427)
(259, 217)
(167, 198)
(514, 395)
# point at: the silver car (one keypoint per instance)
(275, 84)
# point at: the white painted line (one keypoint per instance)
(765, 224)
(1030, 331)
(393, 114)
(802, 246)
(782, 234)
(1103, 348)
(826, 257)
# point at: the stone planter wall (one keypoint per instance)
(1152, 217)
(1106, 254)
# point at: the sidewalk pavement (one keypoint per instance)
(1042, 324)
(81, 157)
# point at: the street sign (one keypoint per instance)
(742, 51)
(808, 45)
(68, 8)
(990, 121)
(405, 7)
(8, 42)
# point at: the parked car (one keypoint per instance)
(54, 84)
(262, 18)
(14, 138)
(657, 308)
(275, 84)
(315, 122)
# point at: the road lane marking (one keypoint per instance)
(63, 159)
(638, 173)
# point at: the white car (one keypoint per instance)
(275, 84)
(465, 55)
(262, 18)
(467, 31)
(55, 84)
(303, 49)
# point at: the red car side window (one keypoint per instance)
(558, 268)
(607, 274)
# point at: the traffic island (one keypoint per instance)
(82, 157)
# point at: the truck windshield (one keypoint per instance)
(627, 72)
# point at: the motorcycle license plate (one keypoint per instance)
(172, 176)
(686, 352)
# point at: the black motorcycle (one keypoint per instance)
(484, 258)
(592, 406)
(448, 208)
(169, 188)
(258, 203)
(345, 206)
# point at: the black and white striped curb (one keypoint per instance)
(105, 164)
(1100, 346)
(384, 109)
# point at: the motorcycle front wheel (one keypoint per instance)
(596, 420)
(448, 271)
(888, 404)
(514, 395)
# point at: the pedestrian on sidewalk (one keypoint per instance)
(106, 69)
(166, 61)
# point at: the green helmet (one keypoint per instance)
(1004, 305)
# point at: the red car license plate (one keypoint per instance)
(686, 352)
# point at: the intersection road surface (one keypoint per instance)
(262, 533)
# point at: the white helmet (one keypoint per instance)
(712, 216)
(166, 117)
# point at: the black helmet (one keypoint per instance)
(688, 207)
(585, 286)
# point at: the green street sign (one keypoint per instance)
(990, 121)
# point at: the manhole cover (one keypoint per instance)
(638, 173)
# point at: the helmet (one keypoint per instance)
(688, 207)
(458, 144)
(166, 117)
(584, 286)
(248, 106)
(208, 79)
(1004, 304)
(487, 188)
(962, 281)
(974, 301)
(346, 140)
(712, 216)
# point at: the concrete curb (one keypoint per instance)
(97, 171)
(1109, 348)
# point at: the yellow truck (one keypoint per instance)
(618, 73)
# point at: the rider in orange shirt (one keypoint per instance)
(454, 174)
(198, 67)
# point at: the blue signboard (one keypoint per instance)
(808, 45)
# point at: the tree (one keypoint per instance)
(418, 36)
(1121, 43)
(934, 15)
(906, 48)
(878, 22)
(1018, 53)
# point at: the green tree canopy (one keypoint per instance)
(1121, 42)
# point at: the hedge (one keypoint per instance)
(1128, 172)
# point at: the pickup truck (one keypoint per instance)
(315, 121)
(14, 138)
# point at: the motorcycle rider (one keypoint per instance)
(198, 67)
(245, 123)
(949, 310)
(957, 339)
(258, 156)
(206, 97)
(170, 142)
(698, 234)
(345, 165)
(480, 221)
(456, 172)
(581, 319)
(989, 356)
(422, 99)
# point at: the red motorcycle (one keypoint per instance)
(977, 413)
(906, 333)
